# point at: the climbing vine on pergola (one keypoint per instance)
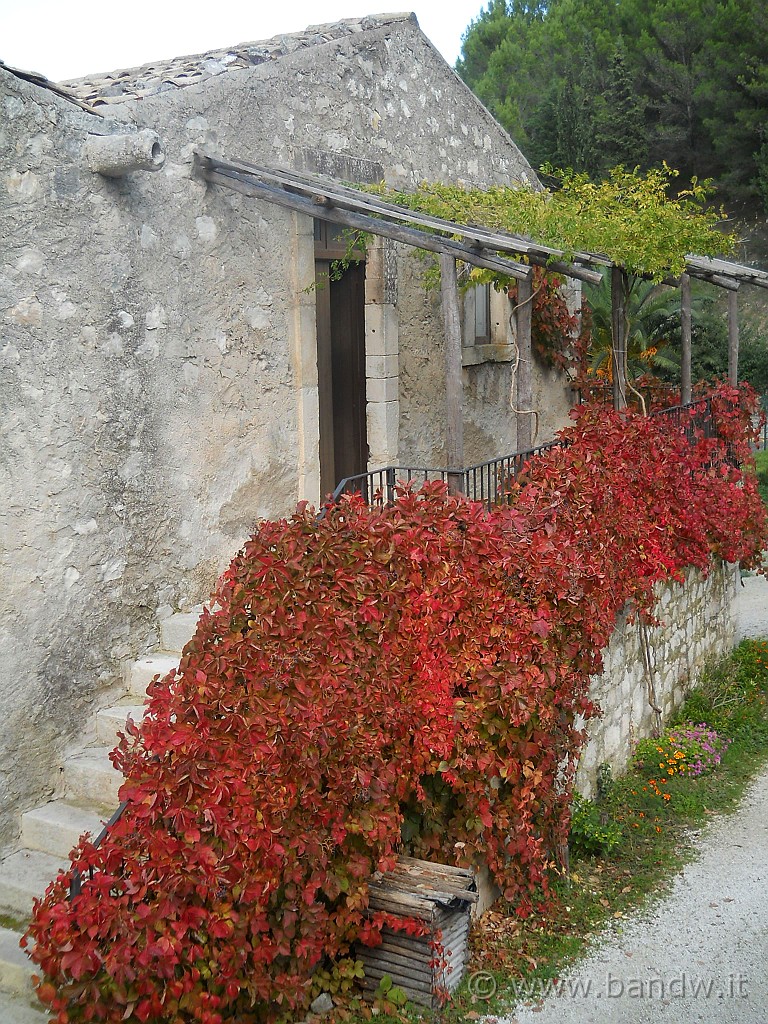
(630, 220)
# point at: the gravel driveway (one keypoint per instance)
(700, 955)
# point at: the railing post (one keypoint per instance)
(390, 484)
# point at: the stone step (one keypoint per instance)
(25, 875)
(143, 671)
(55, 828)
(110, 721)
(177, 629)
(15, 967)
(18, 1010)
(91, 780)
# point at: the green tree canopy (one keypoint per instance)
(589, 84)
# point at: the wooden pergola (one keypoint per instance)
(327, 199)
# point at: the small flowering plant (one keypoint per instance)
(701, 746)
(686, 749)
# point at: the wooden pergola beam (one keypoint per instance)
(330, 193)
(341, 197)
(238, 182)
(478, 246)
(711, 269)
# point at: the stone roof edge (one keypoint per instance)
(35, 78)
(126, 84)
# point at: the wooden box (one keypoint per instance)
(439, 895)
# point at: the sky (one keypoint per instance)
(73, 38)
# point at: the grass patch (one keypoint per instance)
(649, 831)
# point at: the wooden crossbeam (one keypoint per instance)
(474, 244)
(333, 195)
(716, 270)
(240, 182)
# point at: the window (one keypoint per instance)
(482, 294)
(486, 317)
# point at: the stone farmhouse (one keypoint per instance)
(170, 370)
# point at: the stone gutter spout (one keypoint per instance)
(116, 155)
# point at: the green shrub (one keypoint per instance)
(726, 695)
(591, 833)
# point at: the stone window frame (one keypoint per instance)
(495, 346)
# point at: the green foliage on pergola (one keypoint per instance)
(631, 219)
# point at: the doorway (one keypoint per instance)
(341, 374)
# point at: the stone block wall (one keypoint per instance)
(657, 665)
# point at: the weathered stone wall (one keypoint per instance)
(147, 415)
(489, 414)
(158, 379)
(696, 627)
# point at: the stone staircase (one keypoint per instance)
(48, 833)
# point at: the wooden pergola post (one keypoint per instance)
(524, 389)
(686, 334)
(733, 337)
(619, 336)
(454, 387)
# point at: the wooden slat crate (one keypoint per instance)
(437, 894)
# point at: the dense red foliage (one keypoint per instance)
(557, 335)
(416, 668)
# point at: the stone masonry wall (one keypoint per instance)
(696, 627)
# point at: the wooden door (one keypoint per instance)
(341, 373)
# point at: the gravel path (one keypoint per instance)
(701, 955)
(753, 607)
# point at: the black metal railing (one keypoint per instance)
(489, 481)
(693, 418)
(484, 482)
(76, 882)
(380, 484)
(656, 396)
